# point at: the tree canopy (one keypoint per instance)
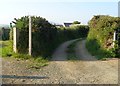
(76, 22)
(37, 23)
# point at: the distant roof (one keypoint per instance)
(59, 25)
(67, 24)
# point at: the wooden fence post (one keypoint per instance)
(30, 37)
(15, 38)
(114, 38)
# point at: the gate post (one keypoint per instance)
(114, 38)
(15, 38)
(30, 37)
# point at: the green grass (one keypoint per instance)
(71, 51)
(21, 56)
(36, 62)
(72, 56)
(94, 48)
(6, 48)
(7, 51)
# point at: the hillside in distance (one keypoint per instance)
(4, 25)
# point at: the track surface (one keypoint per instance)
(87, 70)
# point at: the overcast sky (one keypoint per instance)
(57, 11)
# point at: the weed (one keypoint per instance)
(21, 56)
(38, 62)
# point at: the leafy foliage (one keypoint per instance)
(100, 37)
(76, 22)
(45, 36)
(4, 33)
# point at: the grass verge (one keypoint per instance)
(7, 51)
(95, 50)
(71, 50)
(34, 62)
(6, 48)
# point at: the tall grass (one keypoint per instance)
(7, 51)
(6, 48)
(71, 50)
(94, 48)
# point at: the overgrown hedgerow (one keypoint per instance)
(100, 36)
(45, 36)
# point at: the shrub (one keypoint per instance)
(73, 32)
(100, 36)
(43, 36)
(4, 33)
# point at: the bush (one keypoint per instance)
(4, 33)
(100, 36)
(95, 49)
(81, 30)
(45, 36)
(73, 32)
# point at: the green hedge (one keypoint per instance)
(72, 32)
(4, 33)
(100, 37)
(45, 36)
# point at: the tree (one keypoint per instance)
(76, 22)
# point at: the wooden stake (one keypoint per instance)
(114, 38)
(15, 39)
(30, 37)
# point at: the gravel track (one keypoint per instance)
(87, 70)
